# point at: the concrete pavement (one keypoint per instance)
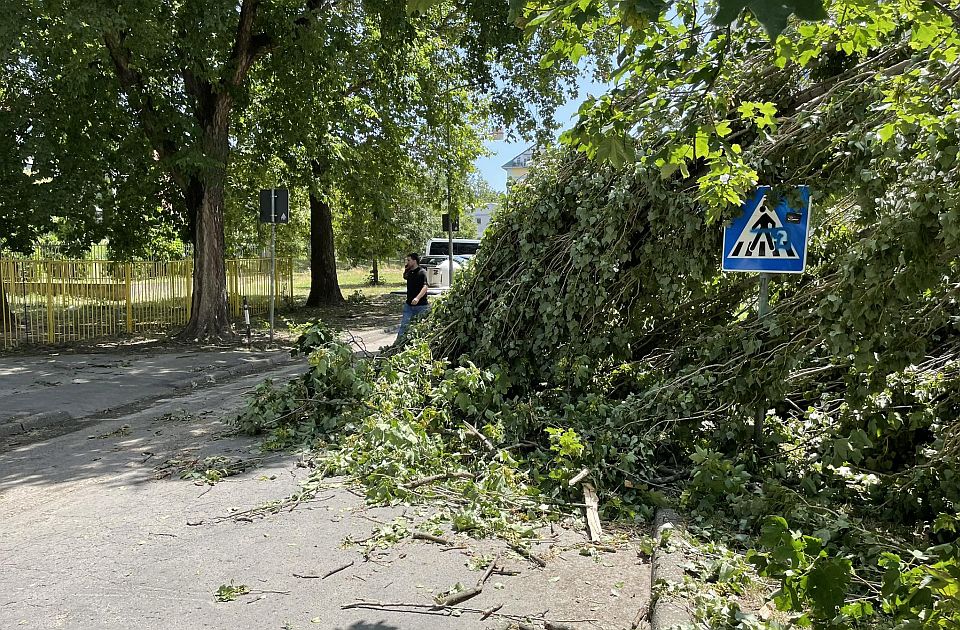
(58, 388)
(101, 533)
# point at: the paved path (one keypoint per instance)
(58, 388)
(99, 532)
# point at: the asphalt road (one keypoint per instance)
(101, 532)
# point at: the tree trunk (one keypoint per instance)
(209, 317)
(324, 288)
(376, 272)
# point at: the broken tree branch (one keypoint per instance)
(418, 535)
(524, 553)
(580, 476)
(490, 611)
(462, 596)
(337, 570)
(486, 442)
(490, 569)
(441, 477)
(593, 515)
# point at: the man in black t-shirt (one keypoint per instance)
(416, 303)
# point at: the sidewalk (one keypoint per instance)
(54, 388)
(37, 391)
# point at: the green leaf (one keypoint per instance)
(728, 10)
(668, 169)
(578, 51)
(616, 150)
(827, 584)
(886, 132)
(420, 7)
(774, 531)
(702, 145)
(772, 15)
(812, 10)
(857, 610)
(516, 9)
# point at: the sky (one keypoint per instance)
(491, 167)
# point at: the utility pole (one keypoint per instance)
(449, 198)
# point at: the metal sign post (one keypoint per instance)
(448, 226)
(764, 295)
(273, 271)
(770, 239)
(246, 317)
(762, 307)
(274, 208)
(450, 253)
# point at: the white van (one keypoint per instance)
(461, 247)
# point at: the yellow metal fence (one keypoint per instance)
(57, 301)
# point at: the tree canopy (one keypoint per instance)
(127, 115)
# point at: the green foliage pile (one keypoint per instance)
(408, 427)
(600, 283)
(594, 329)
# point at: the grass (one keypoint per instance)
(353, 281)
(367, 306)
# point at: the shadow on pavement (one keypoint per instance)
(159, 442)
(364, 625)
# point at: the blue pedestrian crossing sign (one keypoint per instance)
(768, 239)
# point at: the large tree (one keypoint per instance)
(179, 72)
(170, 79)
(377, 94)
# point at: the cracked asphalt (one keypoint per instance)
(100, 531)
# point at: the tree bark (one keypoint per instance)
(376, 272)
(212, 104)
(324, 287)
(209, 317)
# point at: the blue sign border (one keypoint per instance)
(797, 233)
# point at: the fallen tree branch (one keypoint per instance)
(418, 535)
(486, 442)
(524, 553)
(592, 511)
(462, 596)
(490, 569)
(579, 477)
(441, 477)
(490, 611)
(429, 609)
(337, 570)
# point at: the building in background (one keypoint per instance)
(482, 215)
(518, 167)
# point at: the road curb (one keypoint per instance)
(29, 422)
(22, 424)
(220, 375)
(666, 611)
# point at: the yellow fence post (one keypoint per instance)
(290, 278)
(127, 293)
(51, 334)
(188, 278)
(234, 288)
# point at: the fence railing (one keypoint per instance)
(57, 301)
(54, 251)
